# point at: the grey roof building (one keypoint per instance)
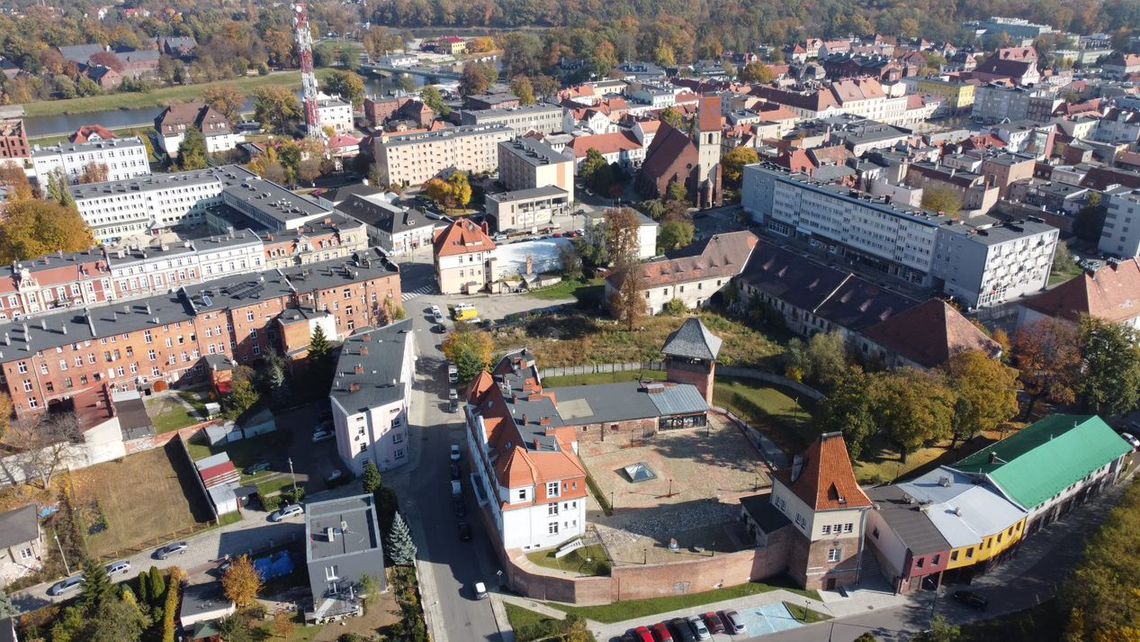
(343, 544)
(693, 341)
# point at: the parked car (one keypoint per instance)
(452, 373)
(255, 468)
(699, 628)
(177, 548)
(681, 630)
(481, 591)
(285, 512)
(65, 585)
(971, 599)
(1131, 439)
(661, 632)
(452, 400)
(436, 312)
(334, 477)
(713, 621)
(118, 568)
(642, 634)
(454, 470)
(322, 435)
(455, 456)
(464, 531)
(733, 623)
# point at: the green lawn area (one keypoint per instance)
(157, 98)
(604, 377)
(804, 614)
(762, 405)
(621, 611)
(885, 465)
(167, 413)
(530, 626)
(1042, 623)
(588, 560)
(571, 289)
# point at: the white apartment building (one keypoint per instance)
(464, 255)
(123, 157)
(1119, 126)
(1121, 234)
(417, 158)
(336, 113)
(147, 271)
(527, 209)
(370, 395)
(893, 238)
(526, 163)
(543, 118)
(988, 263)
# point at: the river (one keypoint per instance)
(64, 124)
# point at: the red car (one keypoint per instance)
(713, 621)
(662, 632)
(642, 634)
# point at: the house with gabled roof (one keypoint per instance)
(173, 122)
(21, 543)
(1111, 293)
(820, 502)
(463, 257)
(925, 336)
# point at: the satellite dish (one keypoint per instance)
(298, 8)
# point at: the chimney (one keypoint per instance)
(7, 339)
(944, 482)
(993, 457)
(364, 351)
(524, 419)
(536, 445)
(797, 467)
(354, 387)
(330, 533)
(359, 369)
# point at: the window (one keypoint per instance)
(552, 528)
(833, 554)
(920, 562)
(331, 573)
(522, 493)
(43, 368)
(249, 316)
(552, 509)
(27, 385)
(27, 553)
(552, 489)
(826, 529)
(847, 528)
(954, 556)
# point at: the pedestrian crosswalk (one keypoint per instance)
(423, 289)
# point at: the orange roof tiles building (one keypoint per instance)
(463, 257)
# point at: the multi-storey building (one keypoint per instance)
(543, 118)
(1119, 126)
(123, 158)
(336, 113)
(957, 97)
(985, 263)
(174, 121)
(166, 337)
(397, 229)
(1121, 234)
(463, 257)
(1002, 170)
(370, 394)
(334, 237)
(996, 102)
(56, 281)
(526, 163)
(13, 142)
(527, 209)
(416, 158)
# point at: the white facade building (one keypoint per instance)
(1121, 234)
(414, 159)
(990, 263)
(123, 157)
(336, 113)
(543, 118)
(370, 395)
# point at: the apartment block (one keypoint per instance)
(990, 262)
(543, 118)
(336, 113)
(1121, 234)
(526, 163)
(996, 102)
(417, 158)
(527, 209)
(124, 158)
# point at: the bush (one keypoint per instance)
(675, 307)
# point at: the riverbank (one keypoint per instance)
(158, 98)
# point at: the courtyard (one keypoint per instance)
(691, 481)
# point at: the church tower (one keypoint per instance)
(708, 133)
(690, 357)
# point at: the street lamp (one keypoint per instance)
(291, 474)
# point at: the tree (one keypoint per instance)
(942, 199)
(225, 98)
(677, 192)
(309, 169)
(370, 480)
(576, 630)
(591, 166)
(733, 164)
(157, 585)
(6, 410)
(622, 237)
(7, 609)
(320, 366)
(1047, 354)
(59, 190)
(627, 302)
(401, 548)
(460, 189)
(1110, 370)
(476, 78)
(757, 72)
(243, 394)
(1089, 221)
(236, 628)
(913, 407)
(346, 84)
(522, 87)
(571, 261)
(275, 107)
(118, 619)
(241, 583)
(406, 83)
(821, 360)
(986, 390)
(94, 173)
(283, 624)
(847, 409)
(672, 116)
(674, 307)
(192, 152)
(97, 588)
(369, 589)
(674, 235)
(432, 98)
(470, 350)
(16, 180)
(866, 637)
(44, 444)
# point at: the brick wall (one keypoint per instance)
(701, 375)
(808, 565)
(621, 432)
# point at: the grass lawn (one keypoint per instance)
(621, 611)
(1042, 623)
(530, 626)
(575, 339)
(571, 289)
(157, 98)
(761, 405)
(604, 377)
(141, 498)
(805, 615)
(588, 560)
(168, 413)
(885, 465)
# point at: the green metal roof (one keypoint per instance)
(1043, 459)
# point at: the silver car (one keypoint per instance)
(285, 512)
(118, 568)
(65, 585)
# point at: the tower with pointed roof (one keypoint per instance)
(690, 357)
(708, 134)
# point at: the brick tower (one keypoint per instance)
(690, 357)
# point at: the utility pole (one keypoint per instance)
(291, 474)
(61, 553)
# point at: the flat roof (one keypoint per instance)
(546, 191)
(600, 403)
(354, 525)
(81, 148)
(447, 134)
(533, 151)
(225, 174)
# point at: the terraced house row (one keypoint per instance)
(956, 521)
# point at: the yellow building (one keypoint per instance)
(958, 97)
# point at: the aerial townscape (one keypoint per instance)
(533, 320)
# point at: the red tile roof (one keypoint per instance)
(1111, 293)
(722, 255)
(84, 133)
(604, 143)
(709, 117)
(461, 237)
(822, 476)
(930, 333)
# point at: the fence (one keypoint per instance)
(601, 368)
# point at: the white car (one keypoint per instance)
(322, 435)
(481, 591)
(455, 452)
(285, 512)
(65, 585)
(1131, 439)
(118, 568)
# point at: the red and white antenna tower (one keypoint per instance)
(308, 77)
